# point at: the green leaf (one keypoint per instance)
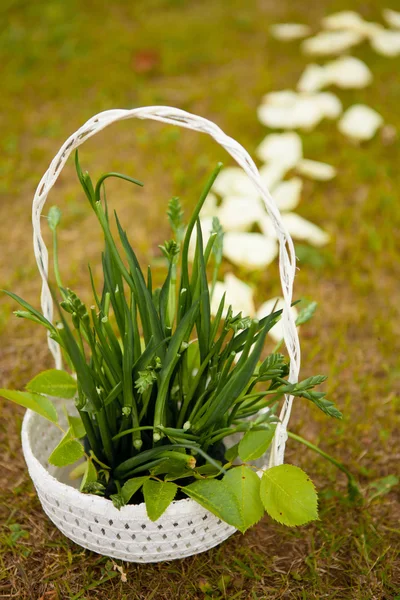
(131, 487)
(31, 310)
(66, 452)
(327, 406)
(245, 484)
(158, 495)
(94, 488)
(90, 474)
(217, 497)
(255, 443)
(306, 313)
(39, 404)
(232, 453)
(289, 495)
(77, 427)
(53, 382)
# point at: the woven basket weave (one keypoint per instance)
(91, 521)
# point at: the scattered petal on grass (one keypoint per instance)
(331, 42)
(316, 170)
(267, 308)
(284, 148)
(349, 20)
(348, 72)
(238, 294)
(386, 42)
(345, 19)
(267, 227)
(287, 193)
(391, 17)
(249, 250)
(233, 181)
(299, 229)
(272, 174)
(291, 110)
(304, 230)
(329, 104)
(287, 32)
(312, 79)
(238, 213)
(360, 122)
(345, 72)
(209, 208)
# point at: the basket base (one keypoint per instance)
(185, 529)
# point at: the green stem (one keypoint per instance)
(352, 483)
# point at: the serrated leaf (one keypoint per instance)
(77, 427)
(53, 382)
(66, 452)
(36, 402)
(306, 313)
(232, 453)
(89, 476)
(288, 495)
(245, 484)
(327, 406)
(158, 495)
(117, 500)
(131, 487)
(255, 443)
(217, 497)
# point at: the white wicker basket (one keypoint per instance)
(91, 521)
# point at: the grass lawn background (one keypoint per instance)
(61, 63)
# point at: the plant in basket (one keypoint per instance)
(161, 386)
(170, 413)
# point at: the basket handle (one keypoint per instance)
(287, 257)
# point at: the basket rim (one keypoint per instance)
(47, 483)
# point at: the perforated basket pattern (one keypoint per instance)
(94, 523)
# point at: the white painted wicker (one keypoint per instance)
(91, 521)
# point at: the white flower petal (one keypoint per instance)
(360, 122)
(287, 194)
(348, 72)
(267, 227)
(284, 148)
(386, 42)
(316, 170)
(313, 79)
(329, 104)
(238, 213)
(289, 31)
(304, 114)
(304, 230)
(249, 250)
(345, 72)
(345, 19)
(233, 181)
(289, 110)
(350, 21)
(331, 42)
(238, 294)
(270, 306)
(282, 98)
(272, 174)
(392, 17)
(209, 208)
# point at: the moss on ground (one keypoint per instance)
(64, 61)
